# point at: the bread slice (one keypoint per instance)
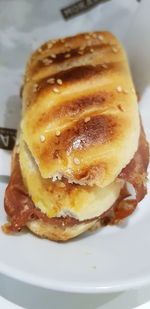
(80, 112)
(58, 233)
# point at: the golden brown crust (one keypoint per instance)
(58, 233)
(107, 110)
(80, 115)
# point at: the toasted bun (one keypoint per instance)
(54, 232)
(80, 115)
(60, 198)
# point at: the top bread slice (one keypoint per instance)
(80, 114)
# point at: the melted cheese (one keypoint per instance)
(60, 198)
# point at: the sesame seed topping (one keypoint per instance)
(57, 133)
(42, 138)
(104, 66)
(51, 80)
(126, 91)
(59, 81)
(63, 223)
(76, 161)
(91, 50)
(39, 49)
(35, 87)
(87, 37)
(49, 45)
(67, 45)
(47, 61)
(89, 43)
(114, 49)
(100, 37)
(119, 89)
(53, 56)
(62, 185)
(87, 119)
(26, 207)
(27, 79)
(56, 90)
(67, 55)
(80, 52)
(94, 35)
(81, 48)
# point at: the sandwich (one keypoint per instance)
(81, 156)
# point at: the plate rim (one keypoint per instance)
(72, 287)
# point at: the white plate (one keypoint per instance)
(111, 259)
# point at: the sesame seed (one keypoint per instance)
(26, 207)
(56, 90)
(57, 133)
(63, 223)
(76, 161)
(126, 91)
(35, 87)
(68, 153)
(51, 80)
(81, 48)
(67, 55)
(27, 79)
(59, 81)
(67, 45)
(53, 56)
(62, 185)
(91, 50)
(104, 66)
(100, 37)
(80, 52)
(87, 119)
(114, 49)
(42, 138)
(87, 37)
(94, 35)
(47, 61)
(119, 88)
(49, 45)
(39, 49)
(89, 43)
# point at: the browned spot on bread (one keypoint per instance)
(120, 107)
(65, 56)
(99, 130)
(91, 172)
(73, 107)
(73, 75)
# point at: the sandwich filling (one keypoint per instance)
(21, 208)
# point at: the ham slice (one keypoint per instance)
(20, 208)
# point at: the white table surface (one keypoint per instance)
(15, 295)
